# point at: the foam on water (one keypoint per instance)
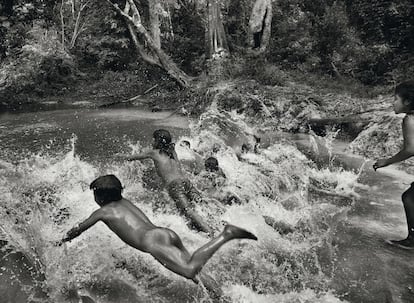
(43, 196)
(244, 294)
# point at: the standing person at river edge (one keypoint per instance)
(180, 189)
(404, 103)
(134, 228)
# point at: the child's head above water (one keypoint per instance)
(106, 189)
(162, 142)
(185, 143)
(404, 97)
(211, 164)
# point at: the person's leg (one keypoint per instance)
(204, 253)
(176, 241)
(161, 243)
(179, 195)
(408, 202)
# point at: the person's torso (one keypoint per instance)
(168, 169)
(128, 222)
(408, 129)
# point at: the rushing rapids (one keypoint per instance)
(46, 191)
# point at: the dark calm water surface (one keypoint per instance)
(99, 133)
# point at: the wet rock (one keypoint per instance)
(291, 203)
(231, 132)
(281, 227)
(278, 108)
(318, 195)
(323, 183)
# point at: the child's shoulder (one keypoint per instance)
(409, 117)
(408, 121)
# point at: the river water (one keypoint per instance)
(337, 209)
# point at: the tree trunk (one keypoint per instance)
(62, 24)
(155, 21)
(217, 42)
(159, 56)
(217, 48)
(260, 24)
(140, 48)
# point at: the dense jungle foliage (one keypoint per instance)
(47, 47)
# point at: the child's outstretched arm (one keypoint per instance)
(141, 156)
(78, 230)
(408, 147)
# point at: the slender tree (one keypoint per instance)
(154, 12)
(155, 55)
(216, 42)
(260, 24)
(216, 37)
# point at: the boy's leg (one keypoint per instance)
(204, 253)
(408, 202)
(178, 194)
(163, 247)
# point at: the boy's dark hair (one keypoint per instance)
(163, 142)
(186, 143)
(107, 188)
(211, 164)
(406, 91)
(245, 148)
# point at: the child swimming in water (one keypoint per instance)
(404, 103)
(211, 165)
(212, 180)
(130, 224)
(180, 189)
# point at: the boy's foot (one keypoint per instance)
(407, 244)
(238, 233)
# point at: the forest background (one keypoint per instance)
(103, 50)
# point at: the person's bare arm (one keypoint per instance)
(407, 150)
(79, 229)
(141, 156)
(221, 173)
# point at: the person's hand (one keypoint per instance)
(380, 163)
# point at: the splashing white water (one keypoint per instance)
(44, 196)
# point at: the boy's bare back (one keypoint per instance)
(168, 169)
(127, 221)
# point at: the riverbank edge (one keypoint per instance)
(292, 106)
